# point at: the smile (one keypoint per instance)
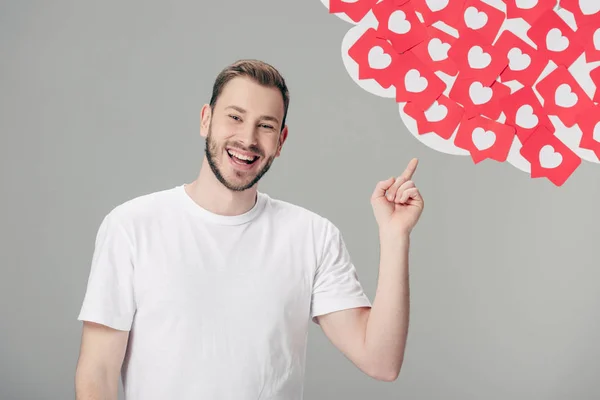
(240, 158)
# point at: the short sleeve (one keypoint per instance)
(109, 297)
(336, 285)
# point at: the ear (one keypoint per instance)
(282, 137)
(205, 117)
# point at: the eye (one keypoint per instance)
(235, 117)
(267, 126)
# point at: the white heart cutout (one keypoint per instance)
(483, 139)
(549, 158)
(526, 118)
(436, 113)
(517, 60)
(589, 7)
(555, 41)
(438, 50)
(379, 59)
(565, 97)
(414, 82)
(597, 39)
(596, 134)
(478, 59)
(526, 4)
(398, 23)
(437, 5)
(474, 18)
(480, 94)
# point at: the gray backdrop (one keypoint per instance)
(100, 103)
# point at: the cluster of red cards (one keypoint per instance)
(408, 52)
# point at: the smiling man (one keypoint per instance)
(206, 290)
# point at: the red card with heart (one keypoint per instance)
(529, 10)
(589, 38)
(589, 123)
(478, 60)
(555, 39)
(399, 24)
(416, 82)
(524, 111)
(525, 64)
(584, 11)
(433, 51)
(481, 18)
(477, 98)
(434, 11)
(563, 96)
(355, 10)
(484, 138)
(442, 118)
(549, 157)
(375, 57)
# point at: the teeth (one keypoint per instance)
(240, 156)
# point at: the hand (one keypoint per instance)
(397, 203)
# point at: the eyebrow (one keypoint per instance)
(242, 111)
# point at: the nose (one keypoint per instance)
(247, 135)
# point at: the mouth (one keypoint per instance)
(241, 158)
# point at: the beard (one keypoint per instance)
(212, 151)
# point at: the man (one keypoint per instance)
(206, 290)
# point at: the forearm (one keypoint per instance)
(95, 384)
(387, 325)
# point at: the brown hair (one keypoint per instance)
(261, 72)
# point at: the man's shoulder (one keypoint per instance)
(299, 213)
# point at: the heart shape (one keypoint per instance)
(478, 59)
(526, 118)
(517, 60)
(589, 7)
(437, 5)
(379, 59)
(526, 4)
(474, 18)
(555, 41)
(564, 96)
(483, 139)
(436, 113)
(398, 23)
(596, 134)
(549, 158)
(437, 49)
(480, 94)
(414, 82)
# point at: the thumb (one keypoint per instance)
(382, 187)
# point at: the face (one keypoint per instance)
(243, 133)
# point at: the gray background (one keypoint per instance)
(100, 102)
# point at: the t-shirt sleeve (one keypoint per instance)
(109, 298)
(336, 285)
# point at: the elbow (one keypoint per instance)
(385, 373)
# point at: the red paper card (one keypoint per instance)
(484, 138)
(589, 123)
(585, 11)
(477, 98)
(555, 39)
(475, 59)
(399, 24)
(563, 96)
(416, 82)
(441, 118)
(481, 18)
(355, 10)
(434, 51)
(524, 111)
(595, 75)
(549, 157)
(375, 57)
(525, 64)
(529, 10)
(447, 11)
(588, 37)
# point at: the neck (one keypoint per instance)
(211, 195)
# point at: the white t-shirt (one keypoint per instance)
(218, 307)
